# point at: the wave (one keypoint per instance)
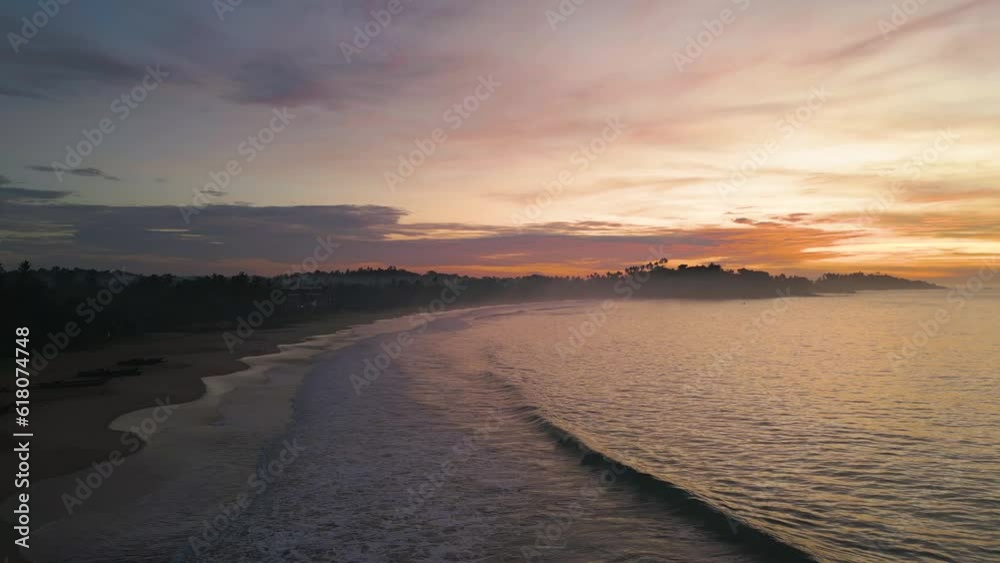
(729, 527)
(572, 305)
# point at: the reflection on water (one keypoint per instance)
(789, 416)
(782, 427)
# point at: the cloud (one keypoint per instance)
(66, 61)
(942, 194)
(748, 221)
(85, 172)
(213, 192)
(876, 42)
(280, 80)
(77, 61)
(982, 224)
(686, 132)
(269, 239)
(26, 195)
(792, 217)
(16, 92)
(10, 194)
(54, 69)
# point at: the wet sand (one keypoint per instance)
(71, 426)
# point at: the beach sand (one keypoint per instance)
(70, 426)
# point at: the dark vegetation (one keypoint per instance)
(109, 305)
(849, 283)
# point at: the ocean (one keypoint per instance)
(838, 428)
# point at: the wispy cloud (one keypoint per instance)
(687, 132)
(24, 195)
(374, 234)
(84, 172)
(11, 194)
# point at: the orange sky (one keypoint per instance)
(789, 136)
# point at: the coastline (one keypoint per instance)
(75, 425)
(80, 426)
(183, 464)
(245, 406)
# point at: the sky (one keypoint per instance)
(501, 138)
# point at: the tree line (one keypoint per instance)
(138, 304)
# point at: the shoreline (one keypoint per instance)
(74, 428)
(252, 386)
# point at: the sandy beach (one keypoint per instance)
(71, 426)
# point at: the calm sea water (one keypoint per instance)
(727, 431)
(792, 418)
